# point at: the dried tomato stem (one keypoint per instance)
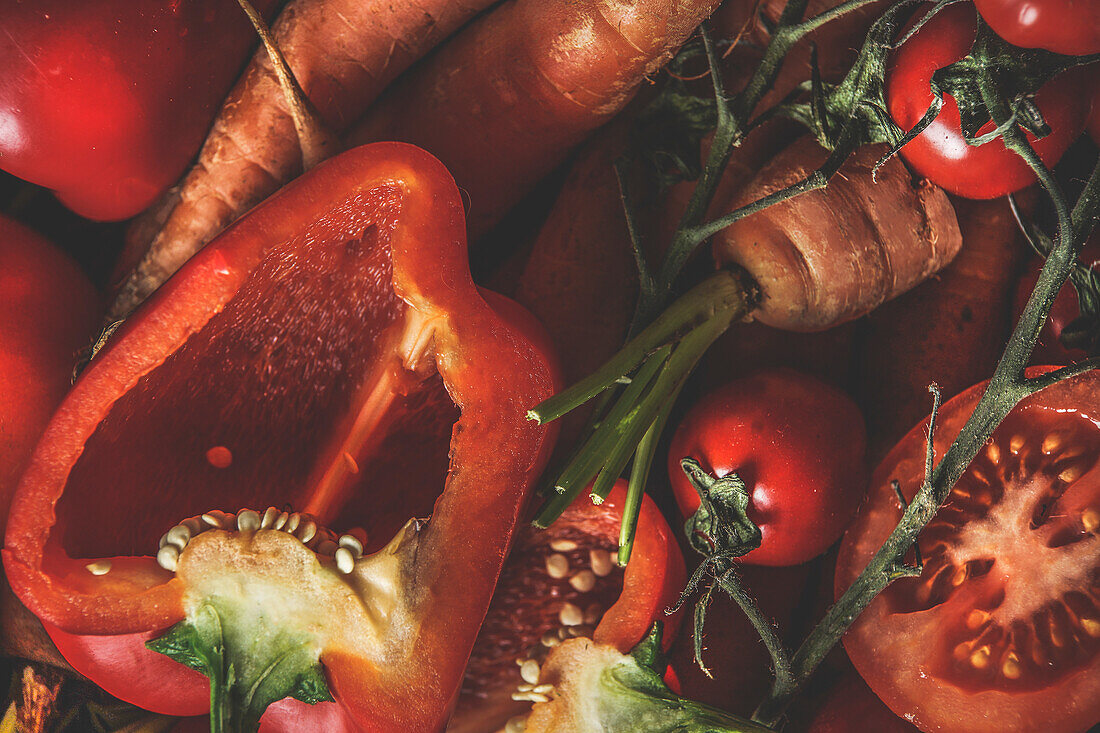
(1005, 389)
(732, 125)
(784, 683)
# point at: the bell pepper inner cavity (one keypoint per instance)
(315, 384)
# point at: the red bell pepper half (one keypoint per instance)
(326, 369)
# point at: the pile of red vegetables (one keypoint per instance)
(346, 416)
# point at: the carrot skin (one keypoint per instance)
(505, 101)
(831, 255)
(343, 53)
(579, 277)
(950, 330)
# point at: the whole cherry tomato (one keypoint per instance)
(797, 443)
(1066, 309)
(1001, 631)
(107, 102)
(1071, 27)
(940, 153)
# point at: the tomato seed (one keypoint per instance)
(1071, 474)
(529, 671)
(268, 519)
(168, 557)
(248, 521)
(345, 561)
(570, 615)
(600, 560)
(976, 618)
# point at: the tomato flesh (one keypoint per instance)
(1002, 629)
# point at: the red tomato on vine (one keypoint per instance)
(797, 443)
(940, 153)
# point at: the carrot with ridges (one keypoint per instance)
(504, 102)
(343, 54)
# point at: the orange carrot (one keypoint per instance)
(831, 255)
(505, 101)
(951, 330)
(343, 53)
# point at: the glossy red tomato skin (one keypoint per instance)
(107, 102)
(940, 153)
(1070, 27)
(799, 445)
(1049, 349)
(902, 651)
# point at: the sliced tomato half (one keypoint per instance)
(1001, 631)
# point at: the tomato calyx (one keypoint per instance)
(996, 71)
(720, 529)
(594, 687)
(993, 90)
(851, 113)
(266, 597)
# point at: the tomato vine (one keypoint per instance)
(843, 118)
